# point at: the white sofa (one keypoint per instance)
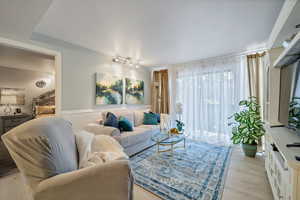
(132, 141)
(46, 153)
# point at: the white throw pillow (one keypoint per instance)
(84, 141)
(96, 158)
(92, 160)
(93, 149)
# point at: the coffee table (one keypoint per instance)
(164, 139)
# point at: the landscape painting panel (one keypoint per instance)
(109, 89)
(134, 91)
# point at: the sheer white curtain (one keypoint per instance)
(210, 91)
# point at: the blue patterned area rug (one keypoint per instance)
(195, 173)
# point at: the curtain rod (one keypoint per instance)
(243, 53)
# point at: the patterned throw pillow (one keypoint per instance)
(150, 119)
(111, 120)
(125, 124)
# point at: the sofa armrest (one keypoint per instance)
(112, 180)
(98, 129)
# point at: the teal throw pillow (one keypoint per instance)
(125, 124)
(150, 119)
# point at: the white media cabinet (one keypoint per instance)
(283, 170)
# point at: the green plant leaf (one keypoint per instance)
(242, 103)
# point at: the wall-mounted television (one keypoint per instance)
(289, 111)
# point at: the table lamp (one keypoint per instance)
(8, 101)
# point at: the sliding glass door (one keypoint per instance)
(209, 95)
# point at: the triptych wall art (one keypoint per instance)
(111, 89)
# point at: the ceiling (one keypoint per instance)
(158, 31)
(18, 18)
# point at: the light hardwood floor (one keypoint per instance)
(246, 180)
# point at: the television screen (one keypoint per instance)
(294, 104)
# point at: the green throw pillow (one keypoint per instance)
(150, 119)
(125, 124)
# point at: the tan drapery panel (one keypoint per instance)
(255, 72)
(255, 64)
(160, 92)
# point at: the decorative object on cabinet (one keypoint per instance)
(8, 100)
(18, 110)
(109, 89)
(134, 91)
(248, 126)
(11, 96)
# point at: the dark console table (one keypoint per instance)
(8, 122)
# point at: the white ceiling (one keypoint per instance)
(155, 31)
(19, 17)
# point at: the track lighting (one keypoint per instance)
(126, 61)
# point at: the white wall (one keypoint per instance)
(17, 78)
(23, 59)
(79, 66)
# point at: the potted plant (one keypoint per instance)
(248, 126)
(179, 128)
(294, 113)
(179, 125)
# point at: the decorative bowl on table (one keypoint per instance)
(175, 131)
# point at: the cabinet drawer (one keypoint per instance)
(5, 157)
(15, 121)
(9, 122)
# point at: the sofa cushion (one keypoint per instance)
(98, 129)
(138, 117)
(150, 127)
(134, 137)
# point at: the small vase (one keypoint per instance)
(250, 149)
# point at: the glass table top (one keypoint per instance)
(164, 138)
